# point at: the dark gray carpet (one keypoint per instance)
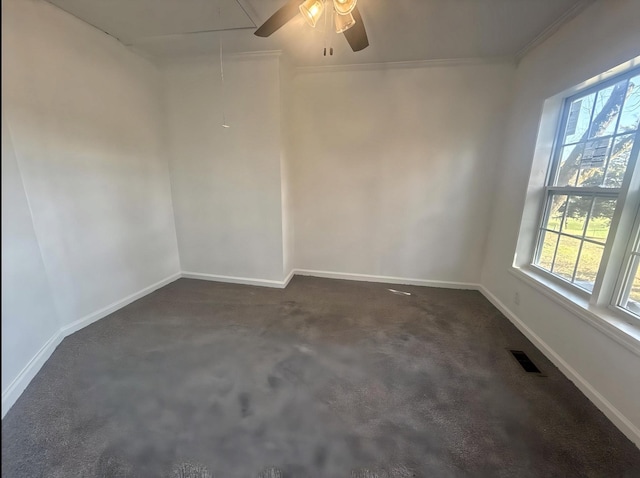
(326, 378)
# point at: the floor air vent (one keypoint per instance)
(525, 362)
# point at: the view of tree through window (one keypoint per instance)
(591, 159)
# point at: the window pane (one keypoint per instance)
(605, 115)
(557, 206)
(578, 119)
(566, 257)
(588, 265)
(570, 158)
(619, 159)
(631, 110)
(600, 220)
(593, 162)
(590, 162)
(634, 295)
(577, 210)
(631, 298)
(548, 249)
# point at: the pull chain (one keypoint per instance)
(326, 32)
(327, 29)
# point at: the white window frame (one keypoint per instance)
(621, 194)
(599, 308)
(625, 278)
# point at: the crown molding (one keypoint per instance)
(405, 64)
(213, 56)
(567, 16)
(255, 54)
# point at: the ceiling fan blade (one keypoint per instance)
(279, 19)
(357, 34)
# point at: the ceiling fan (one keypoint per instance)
(346, 17)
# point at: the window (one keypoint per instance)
(589, 181)
(629, 295)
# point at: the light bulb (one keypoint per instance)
(311, 10)
(343, 22)
(344, 7)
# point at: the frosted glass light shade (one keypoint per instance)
(344, 7)
(311, 10)
(343, 22)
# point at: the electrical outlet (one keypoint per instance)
(516, 298)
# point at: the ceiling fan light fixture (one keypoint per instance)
(312, 10)
(343, 22)
(344, 7)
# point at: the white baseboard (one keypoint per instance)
(110, 309)
(20, 383)
(288, 278)
(387, 279)
(617, 418)
(238, 280)
(329, 275)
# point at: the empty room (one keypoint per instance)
(320, 238)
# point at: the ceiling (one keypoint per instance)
(399, 30)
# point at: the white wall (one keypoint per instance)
(394, 167)
(29, 317)
(385, 171)
(605, 35)
(227, 182)
(286, 164)
(84, 115)
(370, 193)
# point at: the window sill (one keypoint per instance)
(616, 325)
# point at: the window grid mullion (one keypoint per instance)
(584, 232)
(606, 166)
(610, 202)
(615, 134)
(608, 136)
(577, 191)
(586, 239)
(564, 215)
(593, 111)
(575, 267)
(588, 133)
